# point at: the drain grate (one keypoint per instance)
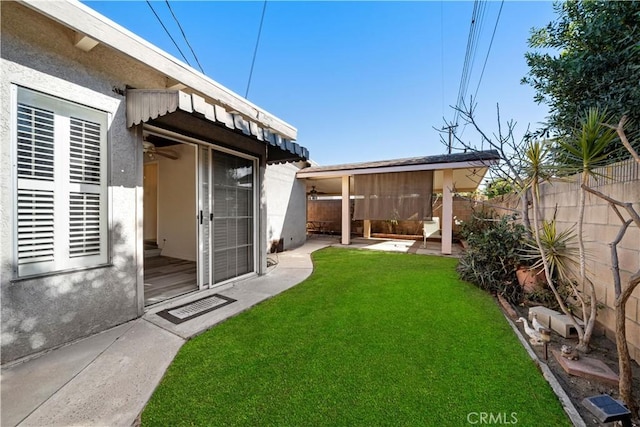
(196, 308)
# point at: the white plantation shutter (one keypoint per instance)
(84, 224)
(85, 141)
(35, 143)
(35, 226)
(61, 184)
(35, 151)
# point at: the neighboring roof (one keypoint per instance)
(93, 28)
(444, 161)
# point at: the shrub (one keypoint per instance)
(493, 254)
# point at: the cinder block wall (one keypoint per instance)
(600, 229)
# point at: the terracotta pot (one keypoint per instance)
(529, 280)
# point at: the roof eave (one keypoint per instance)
(306, 173)
(84, 20)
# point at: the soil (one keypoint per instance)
(578, 388)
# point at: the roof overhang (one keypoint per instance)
(468, 169)
(229, 108)
(144, 105)
(447, 161)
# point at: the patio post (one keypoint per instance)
(367, 229)
(346, 217)
(447, 211)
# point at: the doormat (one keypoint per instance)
(182, 313)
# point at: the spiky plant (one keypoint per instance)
(583, 152)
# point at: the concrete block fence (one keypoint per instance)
(621, 181)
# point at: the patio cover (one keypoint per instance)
(451, 173)
(144, 105)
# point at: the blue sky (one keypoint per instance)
(359, 80)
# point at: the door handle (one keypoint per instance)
(201, 217)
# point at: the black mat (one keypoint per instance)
(199, 307)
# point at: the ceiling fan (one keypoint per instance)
(150, 149)
(313, 194)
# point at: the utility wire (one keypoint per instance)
(486, 58)
(255, 51)
(476, 23)
(442, 51)
(489, 50)
(184, 36)
(168, 33)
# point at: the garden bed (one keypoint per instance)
(578, 388)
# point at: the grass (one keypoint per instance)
(369, 339)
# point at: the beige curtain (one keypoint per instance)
(393, 196)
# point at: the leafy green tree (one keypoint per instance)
(498, 187)
(596, 64)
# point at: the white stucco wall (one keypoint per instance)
(47, 311)
(177, 204)
(286, 202)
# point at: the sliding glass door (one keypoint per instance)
(233, 215)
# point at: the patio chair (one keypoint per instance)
(430, 228)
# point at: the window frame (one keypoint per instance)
(64, 112)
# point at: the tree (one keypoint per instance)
(622, 293)
(597, 64)
(553, 252)
(510, 149)
(498, 187)
(584, 151)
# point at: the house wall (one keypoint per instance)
(286, 205)
(150, 201)
(600, 229)
(45, 312)
(177, 204)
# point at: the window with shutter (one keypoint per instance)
(61, 184)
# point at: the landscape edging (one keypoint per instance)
(566, 402)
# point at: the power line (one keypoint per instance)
(168, 33)
(255, 51)
(442, 51)
(477, 18)
(184, 36)
(495, 27)
(489, 50)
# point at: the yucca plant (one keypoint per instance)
(539, 169)
(560, 251)
(583, 152)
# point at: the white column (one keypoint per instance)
(447, 211)
(346, 218)
(367, 229)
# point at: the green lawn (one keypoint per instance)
(370, 338)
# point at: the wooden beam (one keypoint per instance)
(173, 84)
(367, 229)
(346, 210)
(447, 211)
(84, 43)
